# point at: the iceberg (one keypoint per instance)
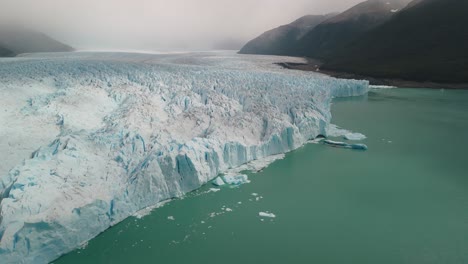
(218, 182)
(355, 136)
(89, 139)
(266, 214)
(231, 180)
(345, 145)
(236, 179)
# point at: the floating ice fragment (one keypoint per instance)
(355, 136)
(235, 180)
(345, 145)
(266, 214)
(218, 181)
(255, 194)
(170, 218)
(228, 210)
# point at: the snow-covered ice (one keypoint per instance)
(354, 136)
(89, 139)
(235, 179)
(266, 214)
(230, 179)
(218, 181)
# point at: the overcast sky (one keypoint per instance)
(159, 24)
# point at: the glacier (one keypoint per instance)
(88, 139)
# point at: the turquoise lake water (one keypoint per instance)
(405, 200)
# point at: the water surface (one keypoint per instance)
(405, 200)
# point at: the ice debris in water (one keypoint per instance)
(354, 136)
(231, 180)
(89, 139)
(267, 214)
(235, 179)
(345, 145)
(335, 131)
(170, 218)
(218, 181)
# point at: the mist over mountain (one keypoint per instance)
(320, 36)
(4, 52)
(332, 34)
(284, 39)
(15, 40)
(428, 40)
(421, 40)
(158, 25)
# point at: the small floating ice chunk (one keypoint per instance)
(214, 190)
(266, 214)
(345, 145)
(218, 181)
(255, 194)
(228, 210)
(235, 179)
(170, 218)
(355, 136)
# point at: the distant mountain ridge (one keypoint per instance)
(17, 40)
(283, 40)
(333, 33)
(324, 34)
(420, 40)
(428, 40)
(4, 52)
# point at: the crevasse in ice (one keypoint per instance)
(88, 139)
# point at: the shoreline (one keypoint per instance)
(314, 66)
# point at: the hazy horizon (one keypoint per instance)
(157, 24)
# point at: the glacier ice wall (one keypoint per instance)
(88, 139)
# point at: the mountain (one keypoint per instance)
(426, 41)
(332, 34)
(283, 40)
(4, 52)
(20, 40)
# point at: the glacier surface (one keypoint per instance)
(88, 139)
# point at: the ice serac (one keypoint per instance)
(89, 139)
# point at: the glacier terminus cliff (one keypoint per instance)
(88, 139)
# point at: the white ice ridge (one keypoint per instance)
(88, 139)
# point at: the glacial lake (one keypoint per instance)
(405, 200)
